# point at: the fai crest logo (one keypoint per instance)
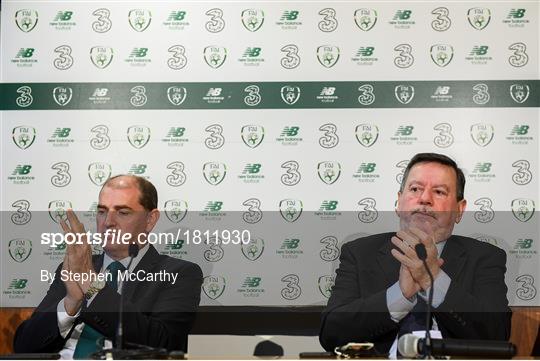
(328, 55)
(523, 209)
(176, 95)
(213, 286)
(26, 19)
(253, 249)
(62, 95)
(215, 56)
(99, 172)
(365, 19)
(252, 19)
(367, 134)
(519, 93)
(175, 210)
(252, 135)
(58, 210)
(20, 249)
(329, 172)
(404, 93)
(290, 94)
(23, 136)
(214, 173)
(442, 54)
(479, 17)
(138, 136)
(325, 285)
(482, 134)
(101, 56)
(291, 209)
(139, 19)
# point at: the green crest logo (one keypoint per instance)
(138, 136)
(62, 95)
(479, 17)
(139, 19)
(26, 19)
(99, 172)
(291, 209)
(519, 93)
(325, 285)
(365, 19)
(329, 172)
(20, 249)
(290, 94)
(58, 210)
(101, 56)
(176, 95)
(252, 19)
(404, 93)
(442, 54)
(328, 55)
(367, 134)
(23, 136)
(523, 209)
(482, 134)
(253, 249)
(252, 135)
(214, 173)
(175, 210)
(213, 286)
(215, 56)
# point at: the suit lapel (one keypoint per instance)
(454, 256)
(146, 263)
(388, 264)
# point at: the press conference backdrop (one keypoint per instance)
(293, 120)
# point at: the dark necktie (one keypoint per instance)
(415, 320)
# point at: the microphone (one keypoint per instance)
(412, 346)
(422, 254)
(133, 251)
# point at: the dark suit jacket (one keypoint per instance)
(475, 306)
(157, 314)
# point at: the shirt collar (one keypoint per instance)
(107, 260)
(440, 247)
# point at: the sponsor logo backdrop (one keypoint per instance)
(293, 120)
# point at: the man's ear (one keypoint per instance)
(462, 204)
(396, 208)
(152, 219)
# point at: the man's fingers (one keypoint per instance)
(74, 221)
(404, 247)
(64, 226)
(408, 237)
(402, 258)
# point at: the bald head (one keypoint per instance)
(148, 197)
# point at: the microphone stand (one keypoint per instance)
(422, 254)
